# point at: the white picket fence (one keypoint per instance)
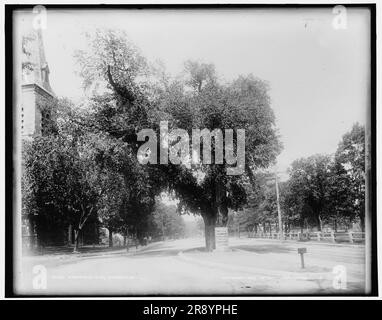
(350, 237)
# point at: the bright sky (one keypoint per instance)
(318, 74)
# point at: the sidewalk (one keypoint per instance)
(279, 262)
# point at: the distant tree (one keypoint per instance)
(340, 202)
(167, 221)
(321, 189)
(294, 207)
(260, 210)
(309, 185)
(199, 74)
(350, 167)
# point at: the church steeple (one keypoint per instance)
(39, 73)
(42, 67)
(37, 107)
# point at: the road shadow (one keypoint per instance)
(266, 248)
(150, 253)
(165, 252)
(195, 250)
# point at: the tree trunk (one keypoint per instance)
(76, 240)
(209, 234)
(70, 240)
(110, 238)
(362, 222)
(125, 239)
(221, 203)
(136, 238)
(335, 224)
(319, 225)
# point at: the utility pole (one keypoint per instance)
(281, 234)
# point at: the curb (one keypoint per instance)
(74, 257)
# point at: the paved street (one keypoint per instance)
(250, 267)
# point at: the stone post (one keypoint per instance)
(333, 237)
(351, 237)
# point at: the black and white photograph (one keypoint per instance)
(171, 151)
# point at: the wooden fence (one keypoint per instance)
(334, 237)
